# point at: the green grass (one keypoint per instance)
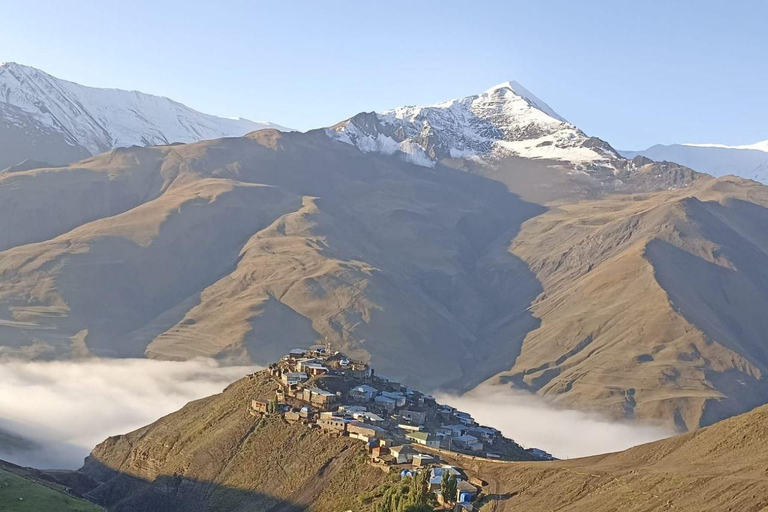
(19, 494)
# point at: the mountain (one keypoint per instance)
(56, 121)
(748, 161)
(628, 287)
(650, 304)
(504, 120)
(713, 469)
(214, 455)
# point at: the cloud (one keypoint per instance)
(53, 413)
(562, 432)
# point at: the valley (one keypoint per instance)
(469, 265)
(233, 451)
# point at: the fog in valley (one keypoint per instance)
(53, 413)
(564, 433)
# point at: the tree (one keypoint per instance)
(408, 495)
(444, 483)
(448, 487)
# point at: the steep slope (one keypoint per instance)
(242, 248)
(718, 468)
(304, 255)
(20, 491)
(647, 310)
(56, 121)
(748, 161)
(213, 455)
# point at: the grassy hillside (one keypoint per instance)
(651, 304)
(714, 469)
(20, 494)
(213, 455)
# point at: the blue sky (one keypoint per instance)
(633, 73)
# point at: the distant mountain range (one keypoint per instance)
(748, 161)
(482, 239)
(50, 120)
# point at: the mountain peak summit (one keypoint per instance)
(505, 120)
(519, 90)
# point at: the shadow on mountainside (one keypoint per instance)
(726, 299)
(119, 492)
(406, 264)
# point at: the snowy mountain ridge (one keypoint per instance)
(747, 160)
(758, 146)
(506, 120)
(98, 120)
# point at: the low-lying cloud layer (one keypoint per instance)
(564, 433)
(53, 413)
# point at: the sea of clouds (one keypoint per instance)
(564, 433)
(53, 413)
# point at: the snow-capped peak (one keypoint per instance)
(517, 89)
(505, 120)
(101, 119)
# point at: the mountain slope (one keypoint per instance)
(304, 255)
(714, 469)
(748, 161)
(443, 275)
(214, 455)
(20, 491)
(646, 309)
(56, 121)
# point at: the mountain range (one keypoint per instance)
(748, 161)
(45, 119)
(479, 240)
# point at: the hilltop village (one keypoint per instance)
(403, 430)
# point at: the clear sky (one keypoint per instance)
(632, 72)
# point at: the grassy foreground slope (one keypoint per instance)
(212, 455)
(20, 494)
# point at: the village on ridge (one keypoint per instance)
(403, 430)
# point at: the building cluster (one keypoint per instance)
(329, 391)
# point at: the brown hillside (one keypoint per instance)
(647, 310)
(213, 455)
(715, 469)
(643, 304)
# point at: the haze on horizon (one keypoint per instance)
(672, 73)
